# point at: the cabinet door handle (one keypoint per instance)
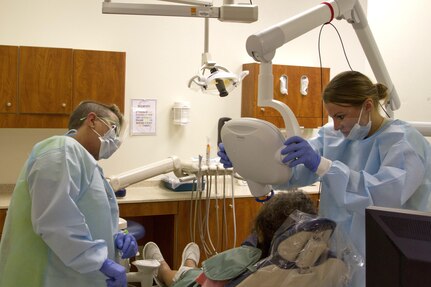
(8, 104)
(63, 105)
(283, 85)
(304, 85)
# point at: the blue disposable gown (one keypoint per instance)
(61, 221)
(392, 168)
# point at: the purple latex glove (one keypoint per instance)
(116, 274)
(298, 151)
(127, 244)
(224, 159)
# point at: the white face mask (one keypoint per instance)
(359, 132)
(109, 142)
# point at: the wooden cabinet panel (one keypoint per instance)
(308, 108)
(221, 228)
(39, 87)
(99, 75)
(45, 80)
(8, 79)
(148, 208)
(245, 211)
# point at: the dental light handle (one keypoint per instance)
(220, 85)
(127, 178)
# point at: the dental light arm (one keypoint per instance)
(228, 12)
(262, 46)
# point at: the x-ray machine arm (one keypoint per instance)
(262, 46)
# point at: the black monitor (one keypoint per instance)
(398, 247)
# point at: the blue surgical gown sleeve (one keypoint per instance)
(385, 169)
(56, 180)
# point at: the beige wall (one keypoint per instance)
(164, 52)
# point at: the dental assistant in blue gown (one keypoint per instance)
(61, 227)
(361, 159)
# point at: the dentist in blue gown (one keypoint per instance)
(361, 159)
(61, 227)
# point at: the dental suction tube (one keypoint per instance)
(127, 178)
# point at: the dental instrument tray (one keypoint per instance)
(173, 183)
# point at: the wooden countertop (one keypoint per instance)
(155, 191)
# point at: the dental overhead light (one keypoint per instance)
(219, 80)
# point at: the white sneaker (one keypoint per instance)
(152, 251)
(191, 251)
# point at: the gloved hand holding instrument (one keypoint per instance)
(126, 242)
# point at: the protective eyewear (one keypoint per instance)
(112, 125)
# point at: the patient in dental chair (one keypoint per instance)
(288, 246)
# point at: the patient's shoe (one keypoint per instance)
(191, 251)
(152, 251)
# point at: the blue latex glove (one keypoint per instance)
(116, 274)
(223, 156)
(298, 151)
(127, 244)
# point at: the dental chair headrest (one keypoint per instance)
(305, 242)
(301, 244)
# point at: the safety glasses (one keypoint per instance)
(113, 127)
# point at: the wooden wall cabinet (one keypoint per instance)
(45, 80)
(308, 108)
(100, 76)
(39, 86)
(8, 79)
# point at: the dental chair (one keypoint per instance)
(302, 255)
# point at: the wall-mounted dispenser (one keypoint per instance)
(181, 113)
